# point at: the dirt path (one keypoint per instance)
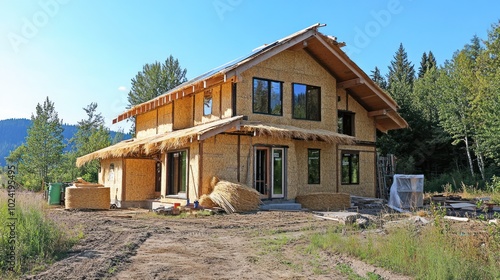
(125, 244)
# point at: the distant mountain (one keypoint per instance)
(14, 131)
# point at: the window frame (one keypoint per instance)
(269, 90)
(352, 125)
(318, 181)
(350, 177)
(306, 105)
(205, 97)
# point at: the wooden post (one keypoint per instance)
(200, 169)
(238, 159)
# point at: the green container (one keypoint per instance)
(55, 193)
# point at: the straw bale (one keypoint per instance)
(165, 118)
(183, 113)
(324, 201)
(146, 124)
(87, 185)
(207, 202)
(87, 198)
(140, 179)
(214, 182)
(234, 197)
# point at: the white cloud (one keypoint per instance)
(122, 88)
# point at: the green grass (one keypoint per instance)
(37, 241)
(437, 251)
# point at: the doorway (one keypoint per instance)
(269, 172)
(177, 173)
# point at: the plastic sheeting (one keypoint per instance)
(407, 191)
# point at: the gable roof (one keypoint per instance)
(326, 50)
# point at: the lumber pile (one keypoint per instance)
(233, 197)
(366, 202)
(325, 201)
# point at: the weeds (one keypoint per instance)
(442, 250)
(38, 240)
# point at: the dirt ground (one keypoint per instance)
(135, 244)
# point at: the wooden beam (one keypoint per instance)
(218, 130)
(377, 113)
(350, 83)
(358, 72)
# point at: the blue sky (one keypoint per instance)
(78, 52)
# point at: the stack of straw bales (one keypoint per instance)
(325, 201)
(233, 197)
(84, 195)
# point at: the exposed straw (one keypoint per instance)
(207, 202)
(158, 143)
(292, 132)
(234, 197)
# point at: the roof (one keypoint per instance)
(326, 50)
(178, 138)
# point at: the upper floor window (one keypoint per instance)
(345, 123)
(207, 104)
(350, 167)
(267, 96)
(306, 102)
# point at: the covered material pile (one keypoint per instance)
(85, 195)
(325, 201)
(233, 197)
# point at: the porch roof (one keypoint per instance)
(162, 142)
(293, 132)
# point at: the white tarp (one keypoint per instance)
(407, 191)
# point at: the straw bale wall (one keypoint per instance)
(139, 179)
(290, 67)
(220, 159)
(364, 126)
(327, 167)
(199, 118)
(325, 201)
(183, 113)
(113, 179)
(367, 172)
(165, 118)
(227, 106)
(87, 198)
(146, 124)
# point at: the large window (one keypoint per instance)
(345, 122)
(306, 102)
(350, 167)
(313, 166)
(267, 97)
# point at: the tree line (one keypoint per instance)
(42, 157)
(452, 110)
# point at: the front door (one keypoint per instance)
(269, 176)
(176, 172)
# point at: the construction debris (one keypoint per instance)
(341, 217)
(366, 202)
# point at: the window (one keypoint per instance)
(313, 166)
(345, 122)
(267, 97)
(306, 102)
(207, 104)
(350, 167)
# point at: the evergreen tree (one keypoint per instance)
(378, 78)
(155, 79)
(400, 78)
(39, 156)
(423, 65)
(91, 136)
